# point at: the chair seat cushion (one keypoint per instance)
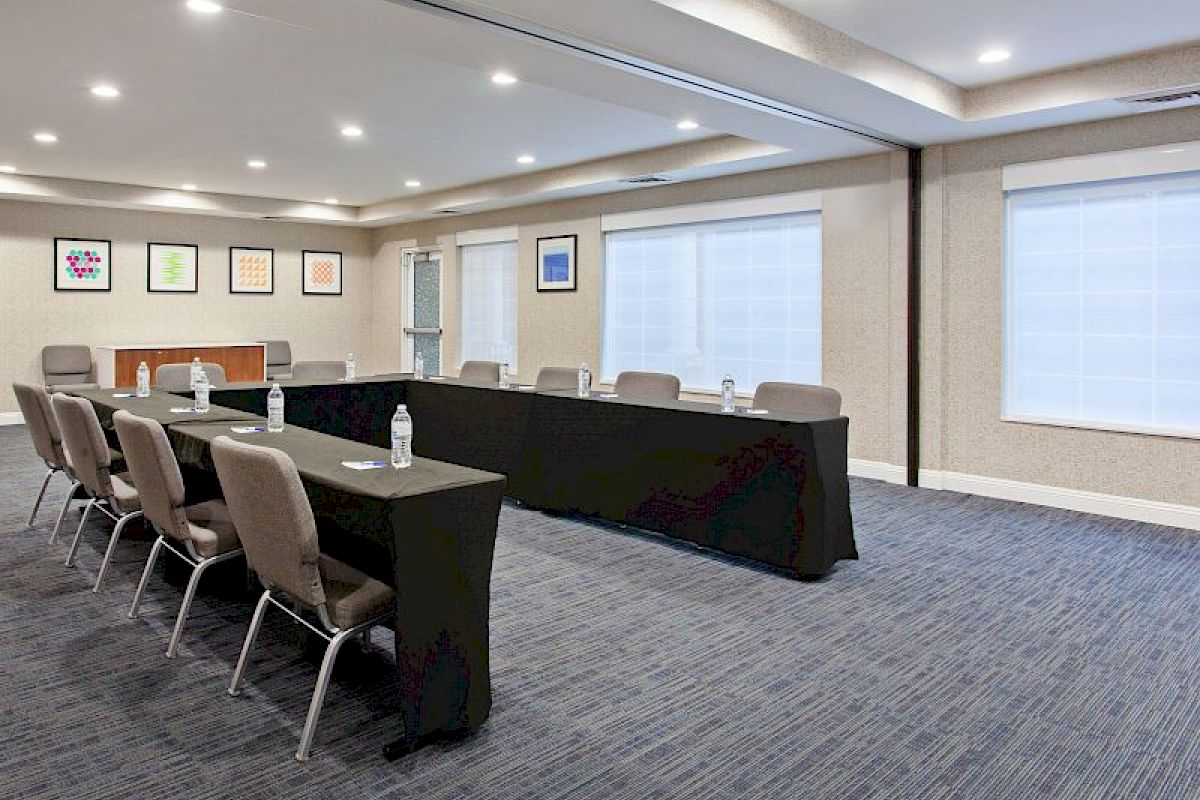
(211, 528)
(351, 596)
(125, 493)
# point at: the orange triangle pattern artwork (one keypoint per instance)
(254, 272)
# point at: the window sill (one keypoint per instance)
(1133, 430)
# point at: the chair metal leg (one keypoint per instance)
(197, 570)
(62, 514)
(112, 545)
(141, 589)
(87, 510)
(318, 698)
(41, 494)
(235, 685)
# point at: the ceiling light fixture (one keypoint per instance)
(994, 56)
(687, 125)
(526, 159)
(204, 6)
(254, 163)
(45, 137)
(105, 90)
(412, 184)
(1173, 150)
(7, 169)
(331, 201)
(503, 79)
(188, 187)
(352, 131)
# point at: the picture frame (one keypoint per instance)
(82, 265)
(556, 263)
(322, 272)
(172, 268)
(251, 270)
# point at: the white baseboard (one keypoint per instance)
(876, 470)
(11, 418)
(1109, 505)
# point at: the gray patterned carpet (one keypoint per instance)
(981, 649)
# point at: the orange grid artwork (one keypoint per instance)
(254, 271)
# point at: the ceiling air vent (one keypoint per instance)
(446, 211)
(645, 179)
(1163, 99)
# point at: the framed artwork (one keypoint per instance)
(556, 264)
(251, 270)
(322, 272)
(82, 265)
(171, 267)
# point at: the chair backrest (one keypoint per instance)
(798, 398)
(64, 364)
(155, 472)
(318, 370)
(279, 353)
(178, 377)
(34, 402)
(647, 386)
(480, 371)
(558, 378)
(85, 443)
(271, 512)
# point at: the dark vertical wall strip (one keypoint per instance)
(914, 315)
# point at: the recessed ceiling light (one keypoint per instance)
(994, 56)
(104, 90)
(332, 201)
(204, 6)
(413, 184)
(687, 125)
(188, 187)
(7, 168)
(45, 137)
(526, 159)
(1174, 150)
(254, 163)
(504, 79)
(352, 131)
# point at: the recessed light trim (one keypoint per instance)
(204, 6)
(7, 169)
(256, 163)
(106, 90)
(503, 79)
(412, 184)
(352, 131)
(526, 159)
(994, 56)
(45, 137)
(188, 187)
(687, 125)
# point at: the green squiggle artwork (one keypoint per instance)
(171, 270)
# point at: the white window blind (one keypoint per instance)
(489, 302)
(1103, 305)
(739, 297)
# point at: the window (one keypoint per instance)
(701, 301)
(489, 302)
(1103, 305)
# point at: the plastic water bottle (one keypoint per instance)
(275, 409)
(196, 370)
(728, 402)
(503, 374)
(351, 367)
(585, 381)
(200, 403)
(143, 380)
(418, 367)
(402, 432)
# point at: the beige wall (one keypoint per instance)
(864, 242)
(962, 335)
(32, 314)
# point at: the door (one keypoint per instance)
(422, 319)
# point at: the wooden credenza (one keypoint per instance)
(116, 365)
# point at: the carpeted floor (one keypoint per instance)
(980, 649)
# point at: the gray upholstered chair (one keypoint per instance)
(91, 463)
(34, 403)
(275, 521)
(67, 367)
(557, 378)
(318, 370)
(653, 386)
(178, 377)
(202, 534)
(798, 398)
(480, 371)
(279, 359)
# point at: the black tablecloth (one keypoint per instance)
(158, 407)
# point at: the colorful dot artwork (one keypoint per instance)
(322, 273)
(83, 265)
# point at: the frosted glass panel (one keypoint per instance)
(489, 302)
(741, 298)
(427, 300)
(429, 347)
(1102, 320)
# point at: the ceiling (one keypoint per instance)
(945, 37)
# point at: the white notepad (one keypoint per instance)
(364, 464)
